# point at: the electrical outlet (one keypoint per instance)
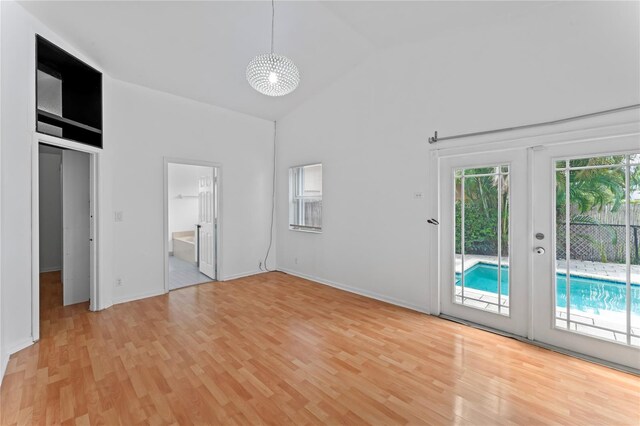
(118, 282)
(118, 217)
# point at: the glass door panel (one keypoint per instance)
(591, 282)
(592, 212)
(483, 239)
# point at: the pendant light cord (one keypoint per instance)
(273, 200)
(273, 18)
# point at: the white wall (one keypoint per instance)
(141, 127)
(167, 126)
(183, 212)
(16, 27)
(50, 212)
(370, 128)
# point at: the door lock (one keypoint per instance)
(540, 236)
(539, 250)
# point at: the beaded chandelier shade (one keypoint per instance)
(272, 74)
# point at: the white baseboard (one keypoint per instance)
(102, 307)
(16, 347)
(355, 290)
(154, 293)
(242, 275)
(138, 296)
(50, 269)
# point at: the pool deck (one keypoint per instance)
(585, 322)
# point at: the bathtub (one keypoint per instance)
(184, 245)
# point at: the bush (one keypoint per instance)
(480, 230)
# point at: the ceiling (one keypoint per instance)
(200, 49)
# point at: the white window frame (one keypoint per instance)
(294, 225)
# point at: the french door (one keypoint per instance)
(586, 284)
(544, 243)
(483, 245)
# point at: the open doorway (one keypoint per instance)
(64, 228)
(191, 230)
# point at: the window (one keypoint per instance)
(305, 194)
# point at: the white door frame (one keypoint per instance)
(165, 213)
(95, 165)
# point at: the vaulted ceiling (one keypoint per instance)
(200, 49)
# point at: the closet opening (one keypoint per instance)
(64, 230)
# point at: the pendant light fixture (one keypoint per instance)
(272, 74)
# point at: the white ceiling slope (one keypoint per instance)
(200, 49)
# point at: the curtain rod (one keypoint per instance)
(435, 138)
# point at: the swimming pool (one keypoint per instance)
(587, 294)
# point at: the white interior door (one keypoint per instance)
(483, 239)
(207, 221)
(586, 283)
(75, 227)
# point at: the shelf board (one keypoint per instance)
(54, 119)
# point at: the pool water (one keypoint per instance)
(587, 294)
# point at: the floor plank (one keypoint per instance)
(276, 349)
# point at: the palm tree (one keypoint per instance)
(590, 190)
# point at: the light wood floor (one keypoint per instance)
(277, 349)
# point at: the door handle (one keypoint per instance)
(539, 250)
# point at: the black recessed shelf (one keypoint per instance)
(68, 96)
(56, 120)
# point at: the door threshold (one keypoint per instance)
(192, 285)
(594, 360)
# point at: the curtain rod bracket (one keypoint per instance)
(434, 138)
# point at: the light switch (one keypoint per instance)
(118, 217)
